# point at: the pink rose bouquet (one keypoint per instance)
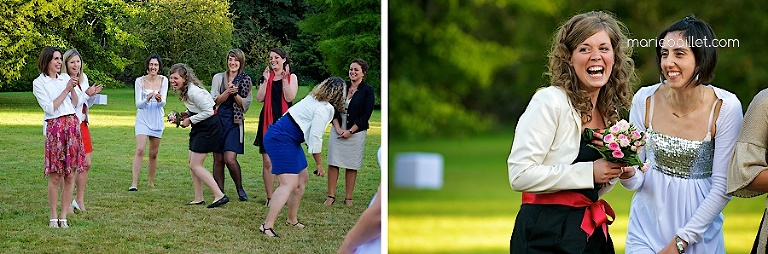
(175, 118)
(621, 143)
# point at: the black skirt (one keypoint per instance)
(557, 228)
(205, 136)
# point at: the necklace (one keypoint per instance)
(701, 100)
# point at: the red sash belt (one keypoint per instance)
(594, 216)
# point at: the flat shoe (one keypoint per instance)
(298, 224)
(264, 231)
(197, 203)
(332, 198)
(133, 188)
(75, 205)
(219, 202)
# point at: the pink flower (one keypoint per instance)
(633, 148)
(614, 129)
(617, 154)
(623, 140)
(608, 138)
(622, 125)
(638, 143)
(636, 135)
(614, 146)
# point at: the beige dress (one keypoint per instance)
(749, 159)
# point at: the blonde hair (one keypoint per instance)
(331, 90)
(189, 77)
(69, 54)
(614, 95)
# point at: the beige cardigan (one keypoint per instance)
(546, 143)
(749, 154)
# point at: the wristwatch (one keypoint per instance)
(680, 245)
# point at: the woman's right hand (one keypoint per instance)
(73, 82)
(266, 74)
(604, 171)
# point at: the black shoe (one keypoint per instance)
(219, 202)
(197, 203)
(133, 188)
(242, 196)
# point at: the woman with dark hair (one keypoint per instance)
(350, 128)
(304, 122)
(58, 96)
(73, 67)
(150, 97)
(677, 205)
(277, 90)
(562, 178)
(231, 90)
(205, 134)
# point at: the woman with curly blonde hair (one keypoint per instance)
(304, 122)
(560, 177)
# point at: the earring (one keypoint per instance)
(661, 79)
(697, 77)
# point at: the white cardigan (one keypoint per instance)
(546, 143)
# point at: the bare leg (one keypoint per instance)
(138, 157)
(287, 183)
(349, 179)
(66, 195)
(230, 158)
(154, 150)
(196, 183)
(333, 177)
(53, 193)
(218, 169)
(196, 164)
(81, 180)
(295, 198)
(266, 174)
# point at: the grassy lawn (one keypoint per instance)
(475, 210)
(155, 220)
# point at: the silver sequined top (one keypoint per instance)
(678, 157)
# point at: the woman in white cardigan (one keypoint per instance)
(304, 122)
(205, 134)
(560, 176)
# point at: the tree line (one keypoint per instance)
(463, 67)
(116, 36)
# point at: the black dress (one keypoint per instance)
(557, 228)
(277, 112)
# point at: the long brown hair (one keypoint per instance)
(189, 77)
(617, 93)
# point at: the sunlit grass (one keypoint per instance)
(475, 210)
(154, 220)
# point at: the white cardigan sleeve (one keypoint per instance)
(728, 126)
(322, 116)
(534, 144)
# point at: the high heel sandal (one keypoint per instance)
(63, 223)
(298, 224)
(333, 200)
(267, 203)
(264, 231)
(53, 223)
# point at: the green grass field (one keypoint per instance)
(155, 220)
(475, 210)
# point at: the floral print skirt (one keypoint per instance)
(63, 146)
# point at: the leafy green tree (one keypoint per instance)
(347, 30)
(93, 27)
(195, 32)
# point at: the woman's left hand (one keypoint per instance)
(671, 248)
(232, 89)
(186, 122)
(346, 134)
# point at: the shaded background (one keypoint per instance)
(463, 67)
(461, 73)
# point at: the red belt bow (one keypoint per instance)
(594, 216)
